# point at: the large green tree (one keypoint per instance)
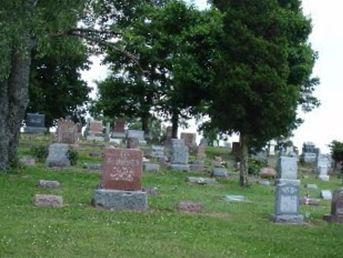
(169, 40)
(262, 71)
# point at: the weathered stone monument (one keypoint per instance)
(236, 148)
(179, 159)
(119, 129)
(309, 152)
(322, 167)
(199, 163)
(35, 123)
(94, 131)
(67, 131)
(190, 139)
(336, 215)
(132, 143)
(58, 155)
(138, 134)
(121, 181)
(287, 200)
(158, 152)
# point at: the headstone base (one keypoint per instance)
(120, 200)
(180, 167)
(30, 129)
(220, 172)
(324, 178)
(95, 138)
(198, 167)
(333, 219)
(151, 167)
(289, 219)
(118, 135)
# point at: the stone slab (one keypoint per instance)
(46, 200)
(201, 180)
(58, 155)
(311, 186)
(180, 167)
(120, 200)
(235, 198)
(189, 206)
(151, 167)
(324, 178)
(220, 172)
(48, 184)
(289, 219)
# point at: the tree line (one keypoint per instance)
(246, 65)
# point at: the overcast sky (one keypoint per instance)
(325, 123)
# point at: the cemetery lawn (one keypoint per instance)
(223, 229)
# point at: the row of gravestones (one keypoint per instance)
(121, 189)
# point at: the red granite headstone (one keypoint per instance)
(122, 169)
(119, 126)
(96, 127)
(66, 131)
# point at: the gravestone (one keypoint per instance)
(324, 174)
(151, 167)
(309, 152)
(326, 195)
(138, 134)
(336, 215)
(132, 143)
(94, 131)
(66, 131)
(198, 164)
(236, 148)
(179, 160)
(158, 152)
(58, 155)
(119, 129)
(48, 184)
(190, 139)
(189, 206)
(287, 197)
(47, 200)
(121, 181)
(201, 180)
(35, 123)
(323, 165)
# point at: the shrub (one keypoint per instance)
(40, 152)
(255, 166)
(73, 156)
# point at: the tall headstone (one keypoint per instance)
(309, 152)
(94, 131)
(287, 197)
(121, 181)
(119, 129)
(179, 160)
(236, 148)
(322, 167)
(336, 215)
(58, 155)
(66, 131)
(158, 152)
(199, 163)
(35, 123)
(190, 139)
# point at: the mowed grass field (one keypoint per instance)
(222, 229)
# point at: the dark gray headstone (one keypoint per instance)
(35, 123)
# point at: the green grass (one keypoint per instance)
(223, 229)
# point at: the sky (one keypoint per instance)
(325, 123)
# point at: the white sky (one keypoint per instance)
(325, 123)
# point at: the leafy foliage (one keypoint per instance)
(337, 151)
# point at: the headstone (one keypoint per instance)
(119, 129)
(309, 152)
(121, 181)
(92, 166)
(199, 163)
(326, 195)
(28, 161)
(310, 201)
(135, 134)
(66, 131)
(158, 152)
(132, 143)
(58, 155)
(323, 160)
(45, 200)
(190, 139)
(264, 182)
(324, 174)
(336, 215)
(267, 172)
(94, 131)
(35, 123)
(189, 206)
(287, 198)
(236, 148)
(107, 132)
(201, 180)
(311, 186)
(220, 172)
(151, 167)
(179, 160)
(48, 184)
(235, 198)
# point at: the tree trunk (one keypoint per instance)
(244, 156)
(13, 102)
(175, 124)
